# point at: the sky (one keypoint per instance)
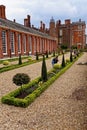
(44, 10)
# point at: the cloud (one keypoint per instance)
(44, 10)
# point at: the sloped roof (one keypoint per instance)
(19, 27)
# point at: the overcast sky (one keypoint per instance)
(44, 10)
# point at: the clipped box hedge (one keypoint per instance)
(11, 100)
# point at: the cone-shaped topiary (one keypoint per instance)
(71, 58)
(44, 70)
(53, 53)
(63, 61)
(20, 60)
(37, 57)
(46, 54)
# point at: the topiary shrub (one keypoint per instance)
(67, 60)
(20, 59)
(57, 66)
(37, 57)
(20, 78)
(63, 61)
(53, 53)
(46, 54)
(29, 58)
(71, 57)
(6, 62)
(44, 70)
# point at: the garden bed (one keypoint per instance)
(34, 88)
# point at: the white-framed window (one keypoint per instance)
(19, 43)
(34, 44)
(60, 32)
(12, 42)
(24, 43)
(40, 45)
(79, 27)
(30, 44)
(4, 42)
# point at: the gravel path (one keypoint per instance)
(63, 106)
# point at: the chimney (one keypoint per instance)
(29, 23)
(41, 25)
(14, 20)
(32, 26)
(25, 22)
(2, 12)
(67, 21)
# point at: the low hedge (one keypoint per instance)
(11, 100)
(11, 67)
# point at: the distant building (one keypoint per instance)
(71, 34)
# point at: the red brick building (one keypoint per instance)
(16, 38)
(71, 33)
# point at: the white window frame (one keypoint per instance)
(60, 32)
(24, 43)
(4, 41)
(12, 42)
(30, 44)
(19, 43)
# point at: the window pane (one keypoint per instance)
(4, 42)
(12, 41)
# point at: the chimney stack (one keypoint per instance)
(67, 21)
(41, 25)
(14, 20)
(2, 12)
(27, 21)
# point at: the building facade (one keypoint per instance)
(71, 34)
(16, 38)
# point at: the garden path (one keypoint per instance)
(63, 106)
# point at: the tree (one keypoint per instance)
(63, 61)
(20, 78)
(44, 70)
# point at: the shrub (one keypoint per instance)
(37, 57)
(20, 78)
(46, 54)
(63, 61)
(20, 60)
(29, 58)
(53, 53)
(56, 66)
(44, 70)
(71, 57)
(67, 61)
(6, 62)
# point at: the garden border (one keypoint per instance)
(11, 100)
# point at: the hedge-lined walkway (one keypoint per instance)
(33, 70)
(63, 106)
